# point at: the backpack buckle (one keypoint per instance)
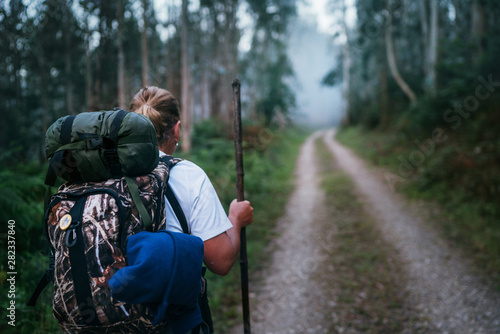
(112, 161)
(93, 144)
(71, 236)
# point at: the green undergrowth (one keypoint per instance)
(454, 177)
(367, 274)
(269, 161)
(21, 202)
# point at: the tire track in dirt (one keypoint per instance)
(442, 284)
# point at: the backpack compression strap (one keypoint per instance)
(110, 153)
(76, 250)
(134, 192)
(171, 197)
(83, 293)
(56, 161)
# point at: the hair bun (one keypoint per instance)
(160, 106)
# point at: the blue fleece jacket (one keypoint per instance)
(164, 271)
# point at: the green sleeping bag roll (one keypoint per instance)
(96, 146)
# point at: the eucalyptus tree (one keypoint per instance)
(267, 63)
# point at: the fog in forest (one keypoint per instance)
(312, 54)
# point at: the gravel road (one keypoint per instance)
(443, 286)
(442, 282)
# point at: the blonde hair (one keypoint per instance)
(161, 107)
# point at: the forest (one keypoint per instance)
(419, 81)
(420, 85)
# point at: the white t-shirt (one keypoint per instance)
(204, 213)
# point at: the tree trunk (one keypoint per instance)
(230, 62)
(96, 105)
(43, 87)
(215, 64)
(424, 24)
(121, 57)
(432, 57)
(186, 79)
(203, 94)
(430, 34)
(391, 59)
(144, 38)
(88, 67)
(173, 75)
(346, 67)
(67, 59)
(462, 22)
(384, 97)
(478, 28)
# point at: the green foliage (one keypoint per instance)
(266, 65)
(460, 172)
(277, 95)
(21, 200)
(331, 79)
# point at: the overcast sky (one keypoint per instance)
(312, 54)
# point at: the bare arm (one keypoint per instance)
(221, 252)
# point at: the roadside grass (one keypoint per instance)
(468, 221)
(268, 166)
(21, 199)
(367, 272)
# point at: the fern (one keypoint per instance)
(21, 196)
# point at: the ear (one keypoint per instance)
(177, 131)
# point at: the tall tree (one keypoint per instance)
(230, 56)
(96, 101)
(478, 28)
(144, 45)
(391, 59)
(430, 32)
(267, 65)
(121, 56)
(186, 99)
(11, 51)
(89, 96)
(173, 50)
(346, 65)
(67, 57)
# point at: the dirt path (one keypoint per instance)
(288, 301)
(441, 285)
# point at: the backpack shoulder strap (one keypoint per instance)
(49, 273)
(136, 197)
(171, 162)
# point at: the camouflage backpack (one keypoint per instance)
(89, 219)
(87, 225)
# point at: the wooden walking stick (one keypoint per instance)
(241, 197)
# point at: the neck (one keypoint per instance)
(168, 148)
